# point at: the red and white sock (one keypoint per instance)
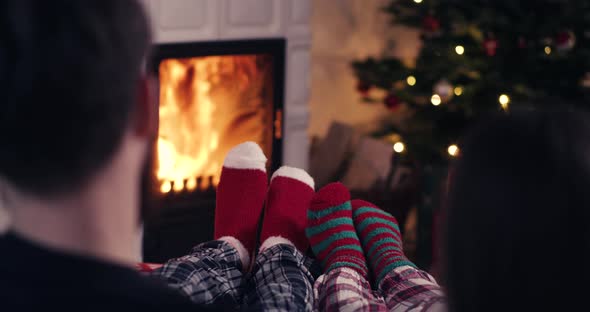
(285, 218)
(240, 198)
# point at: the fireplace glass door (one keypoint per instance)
(208, 105)
(212, 97)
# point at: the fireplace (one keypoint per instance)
(213, 96)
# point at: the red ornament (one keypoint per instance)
(562, 38)
(490, 46)
(363, 88)
(392, 102)
(431, 24)
(565, 40)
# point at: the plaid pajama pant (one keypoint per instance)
(403, 289)
(280, 280)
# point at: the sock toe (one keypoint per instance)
(247, 155)
(330, 195)
(294, 173)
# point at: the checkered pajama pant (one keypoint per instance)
(280, 279)
(403, 289)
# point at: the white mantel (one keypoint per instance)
(211, 20)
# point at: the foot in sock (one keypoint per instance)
(285, 216)
(331, 232)
(380, 237)
(240, 198)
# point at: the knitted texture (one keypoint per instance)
(240, 195)
(285, 216)
(380, 237)
(331, 232)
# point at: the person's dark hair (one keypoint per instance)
(69, 72)
(518, 214)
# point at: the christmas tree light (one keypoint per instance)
(453, 150)
(399, 147)
(435, 100)
(475, 59)
(504, 101)
(460, 49)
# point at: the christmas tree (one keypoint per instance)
(477, 57)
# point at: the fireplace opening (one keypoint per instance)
(208, 105)
(213, 96)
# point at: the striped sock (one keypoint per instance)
(331, 233)
(380, 237)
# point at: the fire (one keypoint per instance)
(208, 105)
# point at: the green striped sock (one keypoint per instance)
(380, 237)
(331, 232)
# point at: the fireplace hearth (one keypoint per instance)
(213, 96)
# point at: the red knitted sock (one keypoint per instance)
(240, 197)
(285, 218)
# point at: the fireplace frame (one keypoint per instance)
(169, 228)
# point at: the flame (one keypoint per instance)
(208, 105)
(191, 184)
(166, 187)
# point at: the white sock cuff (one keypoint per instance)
(275, 240)
(247, 155)
(242, 252)
(294, 173)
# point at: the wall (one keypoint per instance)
(345, 30)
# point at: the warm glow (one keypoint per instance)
(458, 91)
(460, 49)
(411, 80)
(191, 184)
(436, 100)
(418, 1)
(453, 150)
(504, 101)
(178, 186)
(547, 50)
(166, 187)
(399, 147)
(207, 106)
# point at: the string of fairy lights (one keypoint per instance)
(453, 149)
(436, 100)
